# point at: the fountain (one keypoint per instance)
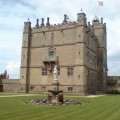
(55, 96)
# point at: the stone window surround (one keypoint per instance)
(44, 71)
(70, 71)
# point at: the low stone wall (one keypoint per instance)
(10, 85)
(113, 83)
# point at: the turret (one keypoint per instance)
(27, 26)
(26, 43)
(81, 19)
(99, 29)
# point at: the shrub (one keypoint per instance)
(113, 92)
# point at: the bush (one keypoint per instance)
(113, 92)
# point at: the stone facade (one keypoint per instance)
(78, 48)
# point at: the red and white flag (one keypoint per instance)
(100, 3)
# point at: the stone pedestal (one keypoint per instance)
(55, 96)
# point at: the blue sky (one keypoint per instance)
(13, 14)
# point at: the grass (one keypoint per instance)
(101, 108)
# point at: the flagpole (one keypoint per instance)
(100, 5)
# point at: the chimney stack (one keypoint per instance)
(65, 19)
(42, 24)
(37, 24)
(48, 23)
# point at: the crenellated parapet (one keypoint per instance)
(67, 24)
(48, 25)
(59, 26)
(113, 77)
(113, 80)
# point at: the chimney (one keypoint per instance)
(65, 19)
(42, 24)
(37, 23)
(47, 24)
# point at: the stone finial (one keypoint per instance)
(101, 20)
(37, 23)
(28, 20)
(48, 23)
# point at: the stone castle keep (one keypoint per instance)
(78, 49)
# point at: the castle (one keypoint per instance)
(78, 49)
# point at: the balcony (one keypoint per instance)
(50, 59)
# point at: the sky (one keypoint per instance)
(13, 14)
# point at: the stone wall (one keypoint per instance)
(10, 85)
(113, 83)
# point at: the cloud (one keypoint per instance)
(13, 69)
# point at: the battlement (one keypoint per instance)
(66, 24)
(113, 80)
(55, 27)
(113, 77)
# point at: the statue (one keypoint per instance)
(55, 72)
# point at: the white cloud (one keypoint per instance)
(13, 69)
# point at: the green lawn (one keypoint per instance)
(101, 108)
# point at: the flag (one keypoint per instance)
(100, 3)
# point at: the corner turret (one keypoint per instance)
(99, 29)
(81, 19)
(27, 26)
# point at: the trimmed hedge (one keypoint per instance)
(113, 92)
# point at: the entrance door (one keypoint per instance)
(1, 88)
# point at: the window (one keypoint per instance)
(70, 71)
(58, 70)
(52, 38)
(44, 71)
(78, 77)
(70, 89)
(51, 53)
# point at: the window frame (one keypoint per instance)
(44, 71)
(52, 38)
(70, 89)
(70, 71)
